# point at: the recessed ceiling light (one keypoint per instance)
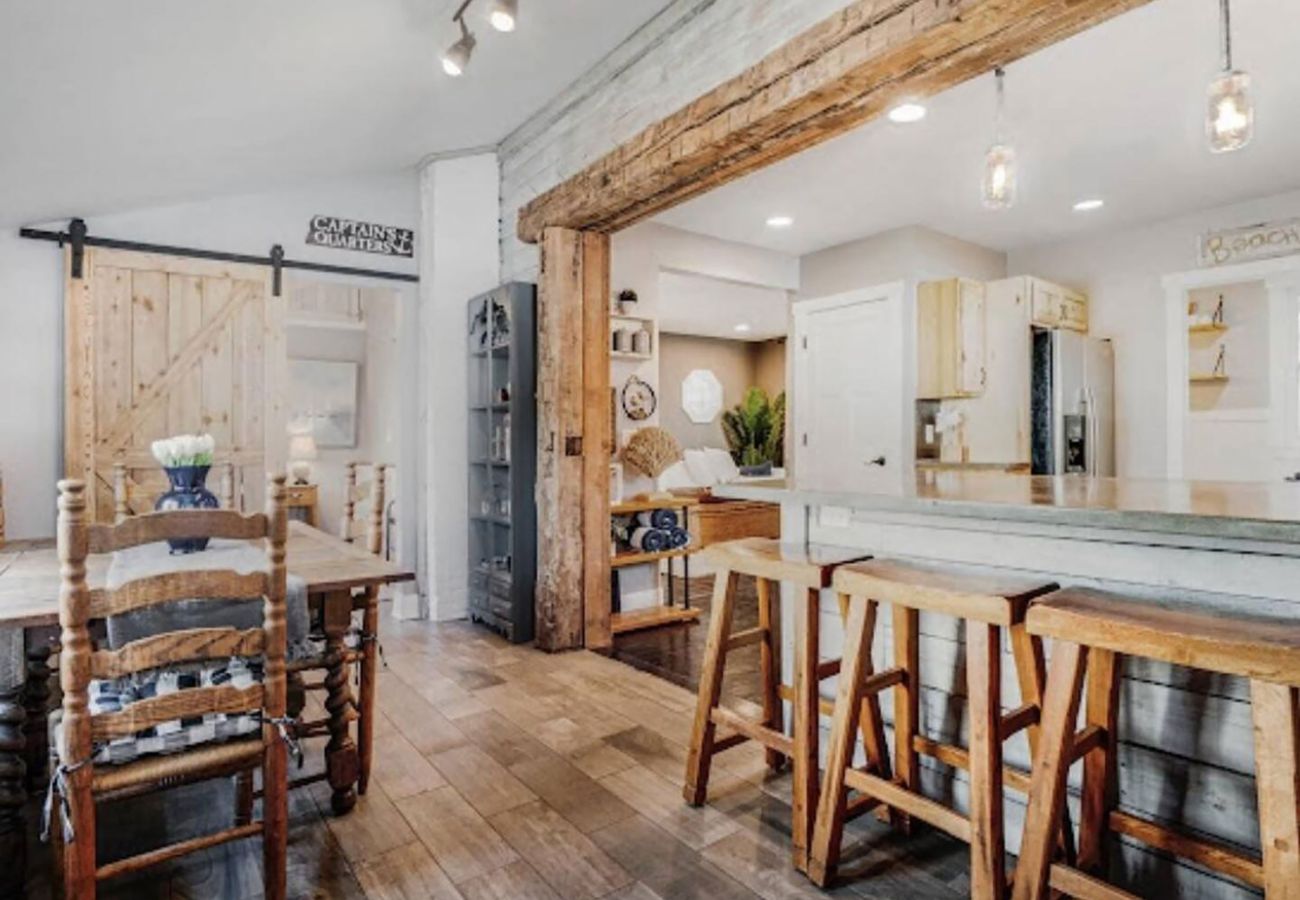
(905, 113)
(743, 327)
(1089, 205)
(780, 221)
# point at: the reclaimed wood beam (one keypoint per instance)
(834, 77)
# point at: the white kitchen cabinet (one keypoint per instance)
(951, 339)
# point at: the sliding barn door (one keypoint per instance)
(160, 345)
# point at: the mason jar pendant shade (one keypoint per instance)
(1230, 115)
(998, 186)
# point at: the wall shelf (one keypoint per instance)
(637, 357)
(1210, 378)
(1206, 329)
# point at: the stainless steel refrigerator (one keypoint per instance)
(1073, 404)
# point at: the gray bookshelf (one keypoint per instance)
(503, 459)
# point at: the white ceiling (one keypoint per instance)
(1115, 112)
(107, 106)
(711, 307)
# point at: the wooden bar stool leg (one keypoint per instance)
(769, 618)
(806, 725)
(1031, 674)
(1275, 709)
(1051, 766)
(715, 659)
(984, 687)
(829, 829)
(907, 702)
(870, 720)
(1100, 767)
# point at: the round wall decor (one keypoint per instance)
(639, 401)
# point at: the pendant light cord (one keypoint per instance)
(1225, 15)
(998, 130)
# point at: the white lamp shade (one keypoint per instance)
(302, 446)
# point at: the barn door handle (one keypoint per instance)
(878, 461)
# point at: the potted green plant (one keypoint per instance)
(755, 432)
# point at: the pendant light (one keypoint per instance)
(457, 56)
(1230, 117)
(998, 186)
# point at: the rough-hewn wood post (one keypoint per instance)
(375, 534)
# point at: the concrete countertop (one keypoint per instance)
(1227, 510)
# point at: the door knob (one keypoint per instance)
(878, 461)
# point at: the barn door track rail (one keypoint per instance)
(79, 239)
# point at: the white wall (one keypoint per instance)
(1121, 271)
(688, 49)
(31, 300)
(459, 220)
(912, 253)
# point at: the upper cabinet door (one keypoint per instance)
(951, 339)
(1053, 306)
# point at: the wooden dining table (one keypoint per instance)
(340, 577)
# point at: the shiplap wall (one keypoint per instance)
(689, 48)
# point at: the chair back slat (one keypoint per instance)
(371, 530)
(190, 645)
(183, 704)
(213, 584)
(175, 525)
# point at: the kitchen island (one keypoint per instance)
(1186, 753)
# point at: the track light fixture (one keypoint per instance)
(457, 56)
(502, 14)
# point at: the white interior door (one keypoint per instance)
(849, 389)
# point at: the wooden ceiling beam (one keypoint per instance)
(840, 73)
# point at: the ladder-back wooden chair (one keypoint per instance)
(81, 779)
(352, 529)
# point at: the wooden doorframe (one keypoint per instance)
(834, 77)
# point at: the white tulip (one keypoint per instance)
(160, 452)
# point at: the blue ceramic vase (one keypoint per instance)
(187, 491)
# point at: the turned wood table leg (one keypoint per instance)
(340, 753)
(13, 795)
(366, 712)
(36, 701)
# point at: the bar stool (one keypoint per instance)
(770, 562)
(1092, 632)
(988, 601)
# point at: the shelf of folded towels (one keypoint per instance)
(645, 531)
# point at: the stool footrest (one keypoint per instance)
(828, 669)
(754, 731)
(745, 638)
(902, 799)
(726, 742)
(1074, 883)
(1211, 854)
(959, 758)
(1019, 719)
(860, 806)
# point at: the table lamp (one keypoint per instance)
(302, 450)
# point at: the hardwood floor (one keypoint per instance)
(675, 653)
(502, 772)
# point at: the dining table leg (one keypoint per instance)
(341, 761)
(369, 668)
(13, 793)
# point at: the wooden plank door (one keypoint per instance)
(159, 345)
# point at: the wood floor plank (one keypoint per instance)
(581, 800)
(599, 759)
(372, 828)
(660, 800)
(666, 865)
(565, 857)
(517, 881)
(407, 873)
(460, 840)
(400, 769)
(485, 783)
(426, 728)
(500, 738)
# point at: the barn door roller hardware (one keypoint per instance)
(78, 239)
